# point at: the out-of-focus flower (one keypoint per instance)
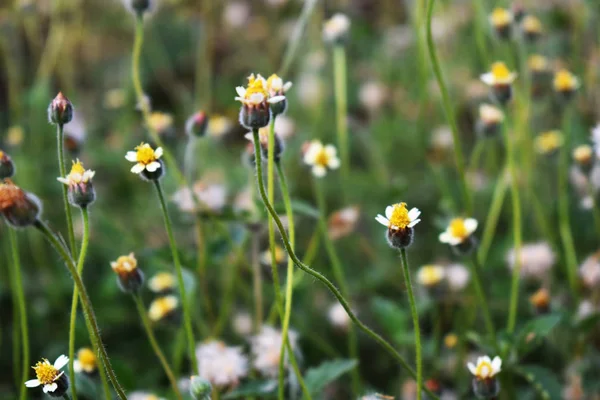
(501, 20)
(284, 127)
(146, 158)
(218, 126)
(590, 271)
(596, 139)
(450, 340)
(54, 381)
(263, 137)
(242, 323)
(114, 98)
(163, 282)
(490, 119)
(573, 390)
(86, 361)
(459, 231)
(373, 95)
(310, 90)
(60, 110)
(538, 63)
(321, 158)
(209, 194)
(547, 143)
(75, 133)
(223, 366)
(532, 27)
(14, 135)
(565, 83)
(160, 122)
(540, 300)
(338, 317)
(400, 223)
(485, 368)
(266, 350)
(280, 256)
(143, 396)
(500, 79)
(255, 99)
(196, 124)
(79, 180)
(442, 142)
(536, 260)
(163, 307)
(586, 309)
(200, 388)
(335, 29)
(129, 277)
(236, 14)
(430, 275)
(457, 277)
(19, 208)
(376, 396)
(343, 222)
(7, 167)
(277, 88)
(584, 157)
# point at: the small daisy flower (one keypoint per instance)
(501, 20)
(397, 217)
(86, 361)
(223, 366)
(430, 275)
(266, 350)
(218, 126)
(450, 340)
(255, 99)
(163, 282)
(499, 75)
(276, 88)
(78, 175)
(485, 367)
(373, 95)
(536, 260)
(584, 157)
(146, 158)
(490, 120)
(163, 307)
(79, 180)
(242, 323)
(160, 122)
(565, 82)
(532, 27)
(129, 277)
(547, 143)
(458, 231)
(321, 158)
(457, 277)
(538, 63)
(49, 375)
(335, 29)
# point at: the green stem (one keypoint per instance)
(85, 302)
(415, 318)
(263, 194)
(478, 286)
(66, 397)
(458, 154)
(493, 215)
(163, 361)
(296, 36)
(187, 318)
(61, 166)
(338, 273)
(201, 260)
(256, 284)
(341, 103)
(595, 210)
(16, 261)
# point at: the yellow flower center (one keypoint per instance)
(45, 372)
(458, 228)
(548, 141)
(145, 154)
(160, 121)
(500, 71)
(583, 154)
(501, 17)
(322, 158)
(537, 63)
(271, 79)
(162, 307)
(564, 80)
(162, 281)
(124, 264)
(87, 358)
(400, 216)
(450, 340)
(430, 275)
(484, 369)
(1, 154)
(77, 168)
(532, 24)
(255, 85)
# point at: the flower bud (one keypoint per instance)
(196, 124)
(62, 386)
(81, 191)
(19, 208)
(565, 85)
(490, 120)
(60, 110)
(540, 301)
(129, 277)
(502, 20)
(335, 29)
(532, 28)
(7, 167)
(584, 158)
(486, 388)
(200, 388)
(255, 116)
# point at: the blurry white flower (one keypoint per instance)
(222, 365)
(442, 138)
(398, 38)
(143, 396)
(336, 28)
(372, 95)
(242, 323)
(342, 222)
(430, 275)
(266, 350)
(590, 271)
(236, 14)
(458, 230)
(596, 139)
(310, 90)
(212, 196)
(244, 201)
(485, 367)
(457, 276)
(586, 308)
(338, 317)
(321, 158)
(284, 127)
(536, 260)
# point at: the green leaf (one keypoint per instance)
(588, 323)
(544, 381)
(303, 208)
(535, 331)
(264, 389)
(317, 378)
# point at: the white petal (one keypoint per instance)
(334, 163)
(241, 91)
(445, 237)
(158, 152)
(414, 214)
(470, 225)
(472, 368)
(413, 223)
(382, 220)
(276, 99)
(131, 156)
(50, 387)
(63, 180)
(77, 367)
(239, 99)
(330, 150)
(61, 361)
(256, 98)
(153, 166)
(249, 136)
(137, 168)
(488, 78)
(32, 383)
(287, 86)
(319, 171)
(388, 211)
(496, 365)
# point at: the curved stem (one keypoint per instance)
(341, 102)
(477, 285)
(415, 318)
(187, 317)
(16, 261)
(163, 360)
(382, 342)
(85, 302)
(458, 154)
(61, 166)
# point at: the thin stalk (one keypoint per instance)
(85, 302)
(493, 215)
(338, 273)
(595, 209)
(16, 324)
(187, 316)
(16, 261)
(256, 283)
(155, 346)
(292, 47)
(478, 286)
(415, 318)
(448, 109)
(263, 194)
(201, 260)
(517, 231)
(60, 138)
(341, 107)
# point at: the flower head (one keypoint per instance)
(335, 29)
(485, 367)
(499, 75)
(78, 175)
(266, 350)
(397, 217)
(590, 271)
(49, 375)
(129, 276)
(162, 282)
(79, 181)
(536, 259)
(501, 17)
(257, 91)
(343, 222)
(218, 125)
(280, 256)
(223, 366)
(321, 158)
(537, 63)
(60, 110)
(196, 124)
(160, 122)
(145, 157)
(548, 142)
(565, 81)
(276, 86)
(457, 277)
(163, 307)
(490, 114)
(583, 155)
(540, 300)
(430, 275)
(338, 317)
(86, 361)
(18, 207)
(7, 167)
(458, 231)
(532, 27)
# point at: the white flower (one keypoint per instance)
(342, 222)
(78, 175)
(47, 374)
(321, 158)
(336, 28)
(490, 114)
(284, 126)
(499, 75)
(458, 231)
(145, 158)
(242, 323)
(536, 260)
(338, 317)
(236, 14)
(485, 367)
(372, 95)
(442, 138)
(398, 217)
(212, 196)
(266, 350)
(457, 276)
(430, 275)
(143, 396)
(596, 139)
(590, 271)
(222, 365)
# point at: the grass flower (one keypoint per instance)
(146, 158)
(373, 95)
(54, 382)
(431, 275)
(547, 143)
(60, 110)
(218, 126)
(484, 372)
(450, 341)
(540, 300)
(457, 277)
(536, 260)
(19, 208)
(343, 222)
(255, 99)
(459, 231)
(584, 157)
(163, 308)
(263, 136)
(160, 122)
(86, 361)
(242, 323)
(280, 256)
(79, 181)
(532, 27)
(338, 317)
(321, 158)
(223, 366)
(501, 20)
(335, 29)
(209, 195)
(129, 277)
(163, 282)
(565, 84)
(196, 124)
(276, 88)
(400, 223)
(538, 63)
(500, 79)
(266, 350)
(490, 119)
(589, 271)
